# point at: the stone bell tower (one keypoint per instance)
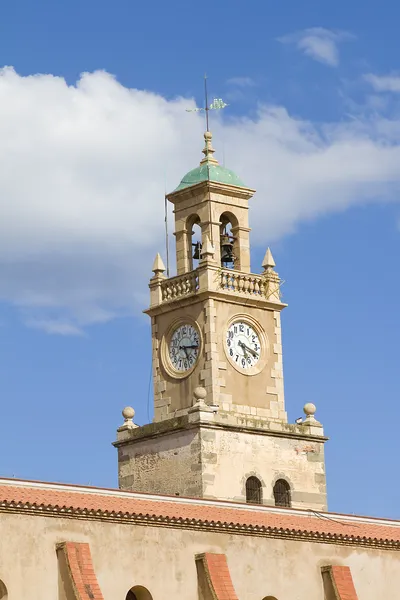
(220, 428)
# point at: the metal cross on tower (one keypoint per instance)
(216, 104)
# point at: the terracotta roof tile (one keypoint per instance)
(135, 504)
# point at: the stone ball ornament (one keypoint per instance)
(309, 409)
(128, 413)
(200, 393)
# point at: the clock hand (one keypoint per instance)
(253, 352)
(243, 347)
(184, 348)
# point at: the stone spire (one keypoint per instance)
(271, 277)
(158, 265)
(268, 263)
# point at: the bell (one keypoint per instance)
(197, 250)
(227, 255)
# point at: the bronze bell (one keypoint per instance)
(197, 251)
(227, 256)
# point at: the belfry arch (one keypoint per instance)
(194, 241)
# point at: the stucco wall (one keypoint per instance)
(163, 560)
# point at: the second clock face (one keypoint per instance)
(243, 345)
(184, 347)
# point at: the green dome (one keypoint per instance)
(209, 172)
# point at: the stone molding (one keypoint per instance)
(154, 520)
(184, 422)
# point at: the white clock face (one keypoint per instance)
(243, 345)
(184, 347)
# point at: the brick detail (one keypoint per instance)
(81, 573)
(217, 575)
(338, 583)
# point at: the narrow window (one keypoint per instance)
(253, 491)
(282, 493)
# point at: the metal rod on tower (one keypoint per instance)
(166, 226)
(206, 109)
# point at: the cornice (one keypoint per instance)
(154, 520)
(178, 424)
(220, 295)
(211, 186)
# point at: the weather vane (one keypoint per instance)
(216, 104)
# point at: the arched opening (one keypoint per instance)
(228, 242)
(253, 491)
(282, 494)
(138, 592)
(3, 591)
(269, 598)
(194, 241)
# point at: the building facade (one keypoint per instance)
(219, 498)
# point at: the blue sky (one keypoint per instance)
(313, 123)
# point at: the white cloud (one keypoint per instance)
(318, 43)
(54, 327)
(384, 83)
(82, 176)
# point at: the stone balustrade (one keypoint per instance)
(179, 286)
(263, 287)
(247, 284)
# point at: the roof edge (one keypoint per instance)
(69, 487)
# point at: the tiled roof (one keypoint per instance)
(96, 503)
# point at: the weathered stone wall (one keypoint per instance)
(162, 465)
(213, 459)
(162, 559)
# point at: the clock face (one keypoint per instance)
(243, 345)
(184, 347)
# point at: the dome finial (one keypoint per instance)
(208, 150)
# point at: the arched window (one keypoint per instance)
(228, 243)
(138, 592)
(253, 491)
(269, 598)
(3, 591)
(194, 241)
(282, 493)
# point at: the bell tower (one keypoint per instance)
(220, 428)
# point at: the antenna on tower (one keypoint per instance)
(166, 224)
(206, 109)
(216, 104)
